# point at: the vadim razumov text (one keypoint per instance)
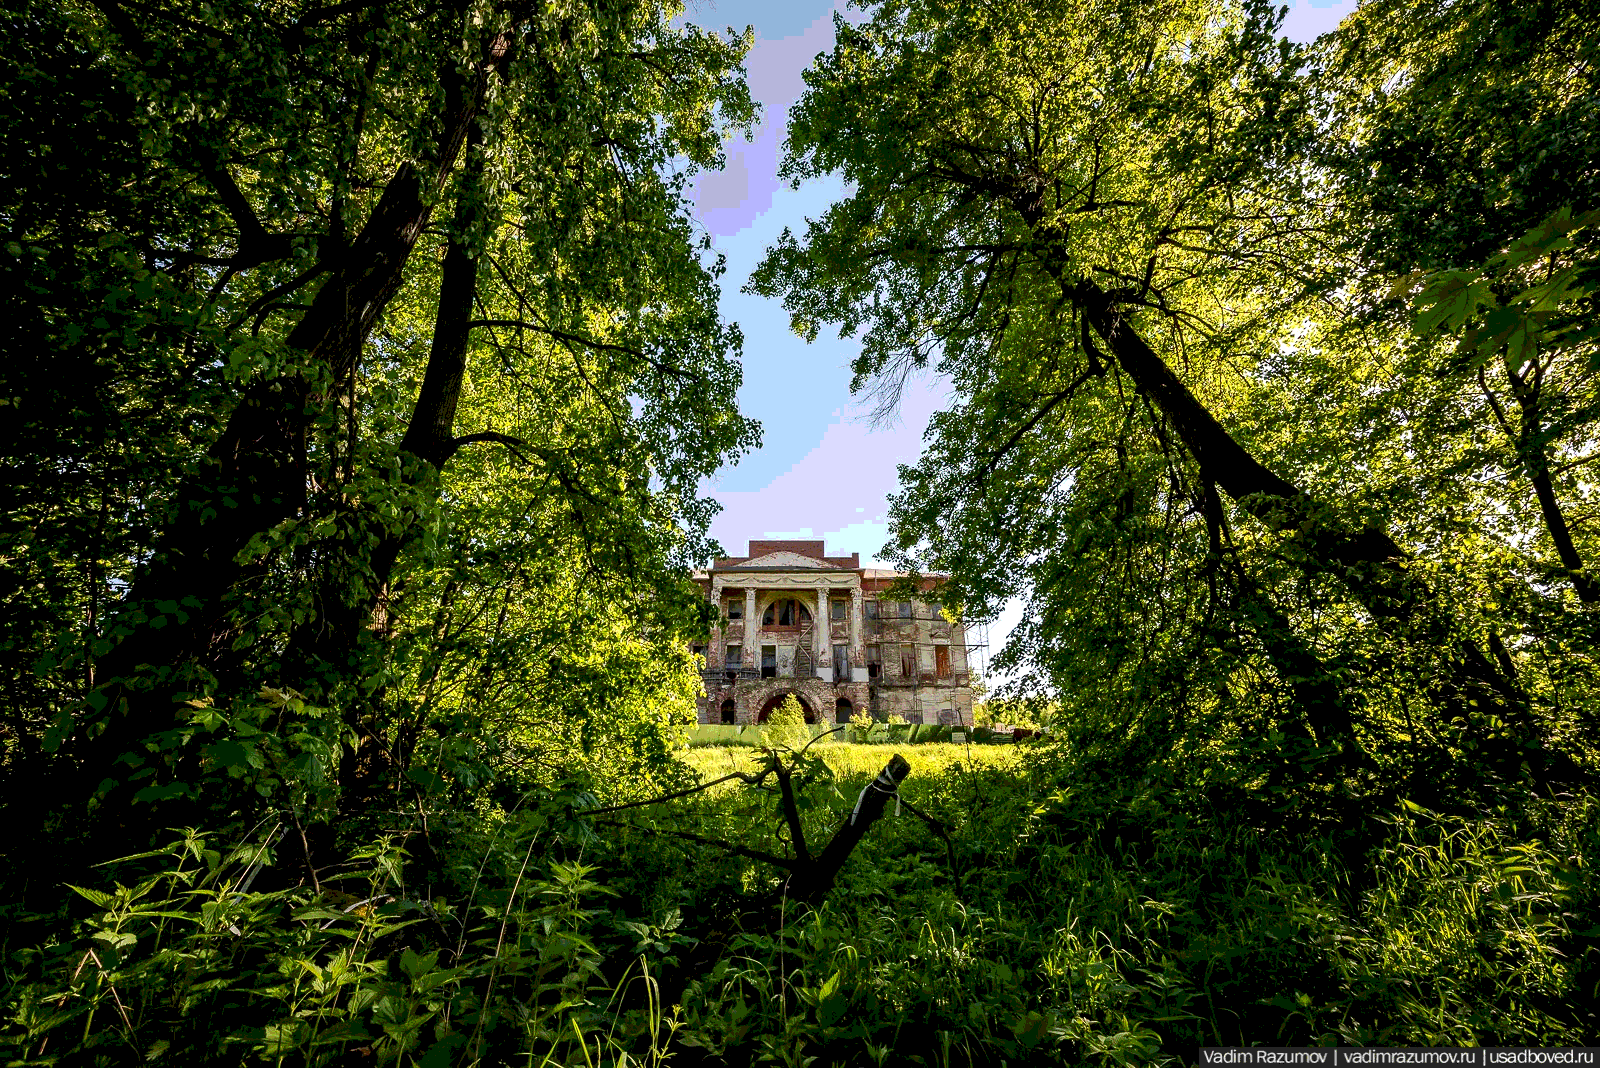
(1379, 1056)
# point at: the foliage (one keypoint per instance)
(1079, 916)
(1531, 319)
(1457, 126)
(786, 725)
(1018, 712)
(1242, 497)
(188, 962)
(363, 372)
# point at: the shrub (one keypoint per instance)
(786, 727)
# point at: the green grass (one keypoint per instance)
(1093, 914)
(848, 760)
(1079, 913)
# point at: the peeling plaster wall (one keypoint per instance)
(751, 696)
(798, 569)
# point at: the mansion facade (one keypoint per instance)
(792, 620)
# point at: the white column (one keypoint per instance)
(751, 635)
(715, 652)
(821, 642)
(858, 650)
(858, 653)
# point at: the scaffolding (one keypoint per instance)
(902, 630)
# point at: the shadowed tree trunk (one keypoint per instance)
(1527, 438)
(1368, 561)
(257, 474)
(355, 578)
(1316, 693)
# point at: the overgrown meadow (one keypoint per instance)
(1069, 913)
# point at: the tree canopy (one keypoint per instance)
(353, 347)
(1156, 251)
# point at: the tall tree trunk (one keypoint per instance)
(256, 475)
(1556, 523)
(356, 576)
(1317, 695)
(1369, 559)
(1528, 439)
(1369, 562)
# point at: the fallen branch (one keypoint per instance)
(748, 780)
(811, 884)
(810, 878)
(753, 854)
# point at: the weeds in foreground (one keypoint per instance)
(1075, 920)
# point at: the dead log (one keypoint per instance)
(811, 882)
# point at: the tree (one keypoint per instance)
(1457, 130)
(1061, 209)
(350, 244)
(786, 726)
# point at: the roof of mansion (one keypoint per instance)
(786, 556)
(774, 556)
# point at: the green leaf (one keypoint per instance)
(391, 928)
(414, 965)
(100, 898)
(430, 780)
(162, 793)
(438, 1055)
(228, 753)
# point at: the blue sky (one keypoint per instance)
(822, 471)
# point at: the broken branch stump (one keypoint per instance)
(810, 882)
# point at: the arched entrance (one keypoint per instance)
(730, 712)
(777, 699)
(842, 710)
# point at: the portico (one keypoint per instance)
(790, 616)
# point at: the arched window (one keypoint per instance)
(729, 710)
(843, 710)
(785, 613)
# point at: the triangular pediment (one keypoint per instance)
(782, 559)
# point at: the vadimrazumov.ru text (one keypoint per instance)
(1380, 1056)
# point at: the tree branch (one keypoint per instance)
(753, 854)
(791, 814)
(511, 443)
(577, 339)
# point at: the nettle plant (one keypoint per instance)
(190, 959)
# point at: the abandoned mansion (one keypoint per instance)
(794, 621)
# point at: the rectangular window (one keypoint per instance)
(908, 661)
(769, 661)
(914, 717)
(871, 609)
(905, 609)
(733, 608)
(735, 656)
(838, 610)
(874, 662)
(941, 661)
(841, 663)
